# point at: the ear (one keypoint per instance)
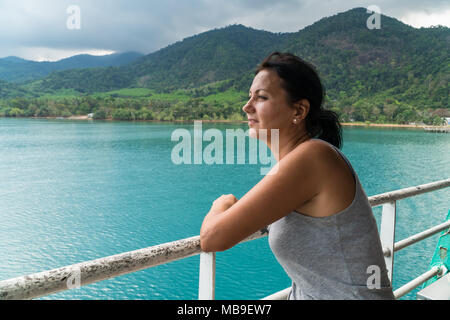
(302, 109)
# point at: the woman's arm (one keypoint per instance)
(219, 206)
(297, 179)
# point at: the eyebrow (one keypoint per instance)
(257, 90)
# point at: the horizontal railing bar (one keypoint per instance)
(400, 292)
(257, 235)
(418, 237)
(52, 281)
(391, 196)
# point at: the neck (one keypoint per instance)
(286, 144)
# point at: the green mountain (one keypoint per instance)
(393, 74)
(208, 57)
(352, 59)
(12, 90)
(14, 69)
(397, 59)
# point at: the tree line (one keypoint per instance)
(375, 110)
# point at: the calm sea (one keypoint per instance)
(72, 191)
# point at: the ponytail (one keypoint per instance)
(325, 125)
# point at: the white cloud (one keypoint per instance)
(427, 19)
(50, 54)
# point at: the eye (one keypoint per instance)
(259, 97)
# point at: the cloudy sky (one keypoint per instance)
(54, 29)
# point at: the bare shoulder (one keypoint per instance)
(319, 154)
(326, 155)
(335, 181)
(326, 162)
(308, 166)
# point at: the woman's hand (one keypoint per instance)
(222, 203)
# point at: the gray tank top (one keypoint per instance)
(333, 257)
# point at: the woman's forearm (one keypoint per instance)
(208, 230)
(210, 236)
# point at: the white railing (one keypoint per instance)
(73, 276)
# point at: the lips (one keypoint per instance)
(252, 121)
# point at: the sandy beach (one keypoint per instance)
(385, 125)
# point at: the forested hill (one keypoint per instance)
(213, 55)
(396, 61)
(399, 60)
(14, 69)
(11, 90)
(393, 74)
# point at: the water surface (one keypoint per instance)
(72, 191)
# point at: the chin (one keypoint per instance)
(253, 133)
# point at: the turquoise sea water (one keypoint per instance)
(72, 191)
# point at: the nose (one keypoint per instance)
(248, 107)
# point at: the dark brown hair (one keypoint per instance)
(301, 81)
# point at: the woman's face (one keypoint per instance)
(268, 106)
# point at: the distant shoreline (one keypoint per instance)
(359, 124)
(385, 125)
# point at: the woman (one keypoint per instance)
(321, 226)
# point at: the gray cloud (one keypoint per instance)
(29, 26)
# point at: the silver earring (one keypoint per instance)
(295, 121)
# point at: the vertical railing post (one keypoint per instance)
(207, 276)
(387, 235)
